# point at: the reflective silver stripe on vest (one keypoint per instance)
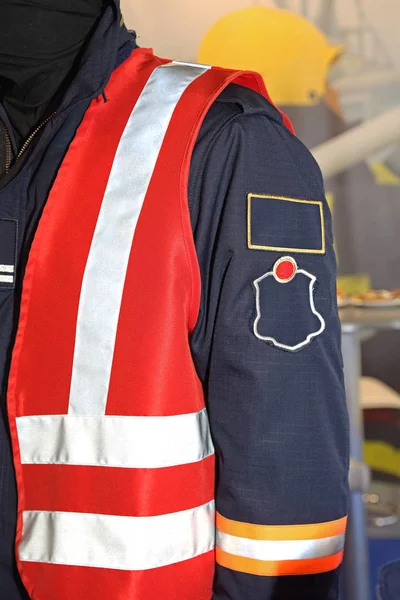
(6, 268)
(102, 286)
(280, 550)
(114, 542)
(127, 442)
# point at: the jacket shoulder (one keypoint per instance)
(234, 102)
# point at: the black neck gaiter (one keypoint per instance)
(39, 43)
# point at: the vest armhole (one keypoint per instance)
(192, 110)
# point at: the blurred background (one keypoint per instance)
(334, 67)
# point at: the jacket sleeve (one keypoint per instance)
(267, 349)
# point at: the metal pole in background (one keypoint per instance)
(304, 8)
(281, 4)
(357, 144)
(355, 570)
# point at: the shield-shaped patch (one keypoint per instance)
(286, 314)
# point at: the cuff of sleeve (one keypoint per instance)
(280, 550)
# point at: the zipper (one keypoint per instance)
(26, 143)
(33, 135)
(8, 147)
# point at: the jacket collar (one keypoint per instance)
(110, 44)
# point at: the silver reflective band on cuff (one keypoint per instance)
(280, 550)
(114, 542)
(105, 272)
(127, 442)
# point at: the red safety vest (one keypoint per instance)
(113, 454)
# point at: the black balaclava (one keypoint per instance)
(39, 42)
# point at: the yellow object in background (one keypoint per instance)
(382, 457)
(330, 198)
(354, 284)
(383, 174)
(291, 53)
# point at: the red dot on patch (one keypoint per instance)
(285, 270)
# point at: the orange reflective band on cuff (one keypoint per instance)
(278, 568)
(282, 549)
(281, 532)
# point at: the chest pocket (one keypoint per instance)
(8, 244)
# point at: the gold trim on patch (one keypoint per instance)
(322, 250)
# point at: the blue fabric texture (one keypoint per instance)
(389, 582)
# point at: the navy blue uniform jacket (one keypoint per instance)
(277, 410)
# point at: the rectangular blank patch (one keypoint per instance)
(8, 242)
(279, 224)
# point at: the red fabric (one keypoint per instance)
(102, 490)
(46, 334)
(182, 581)
(153, 372)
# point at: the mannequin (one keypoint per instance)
(39, 42)
(128, 226)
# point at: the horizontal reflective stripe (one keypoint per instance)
(6, 279)
(281, 532)
(278, 568)
(128, 442)
(115, 542)
(7, 268)
(281, 549)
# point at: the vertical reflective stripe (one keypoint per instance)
(115, 542)
(105, 272)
